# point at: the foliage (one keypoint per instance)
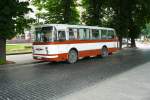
(11, 12)
(129, 17)
(120, 16)
(2, 61)
(146, 30)
(93, 13)
(57, 11)
(138, 17)
(22, 23)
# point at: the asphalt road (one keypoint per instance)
(53, 81)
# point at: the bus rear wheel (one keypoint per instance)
(104, 52)
(72, 56)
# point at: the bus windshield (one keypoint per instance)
(43, 34)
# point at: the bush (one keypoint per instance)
(27, 47)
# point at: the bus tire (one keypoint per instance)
(72, 56)
(104, 52)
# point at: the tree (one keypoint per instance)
(10, 13)
(129, 17)
(120, 18)
(138, 17)
(146, 31)
(58, 11)
(112, 13)
(93, 13)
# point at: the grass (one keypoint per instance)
(2, 62)
(18, 48)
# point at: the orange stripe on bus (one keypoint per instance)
(72, 42)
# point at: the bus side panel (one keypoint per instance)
(88, 49)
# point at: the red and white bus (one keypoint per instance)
(62, 42)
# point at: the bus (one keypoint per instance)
(63, 42)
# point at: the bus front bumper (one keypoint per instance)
(44, 57)
(41, 57)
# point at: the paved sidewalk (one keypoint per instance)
(143, 45)
(21, 59)
(131, 85)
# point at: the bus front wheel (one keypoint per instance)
(72, 56)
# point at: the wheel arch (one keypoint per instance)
(74, 49)
(104, 46)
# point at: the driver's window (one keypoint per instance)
(110, 34)
(47, 37)
(61, 35)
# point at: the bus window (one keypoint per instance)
(46, 37)
(75, 33)
(47, 34)
(95, 34)
(43, 34)
(103, 34)
(61, 35)
(37, 36)
(82, 34)
(87, 34)
(71, 34)
(110, 34)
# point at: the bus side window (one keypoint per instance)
(61, 35)
(71, 34)
(110, 34)
(95, 34)
(82, 34)
(76, 33)
(103, 34)
(87, 34)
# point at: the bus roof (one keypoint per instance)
(64, 26)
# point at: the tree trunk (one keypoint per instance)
(67, 10)
(120, 42)
(2, 50)
(133, 44)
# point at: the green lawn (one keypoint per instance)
(18, 48)
(1, 62)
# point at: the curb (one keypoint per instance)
(16, 65)
(19, 53)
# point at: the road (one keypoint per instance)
(122, 76)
